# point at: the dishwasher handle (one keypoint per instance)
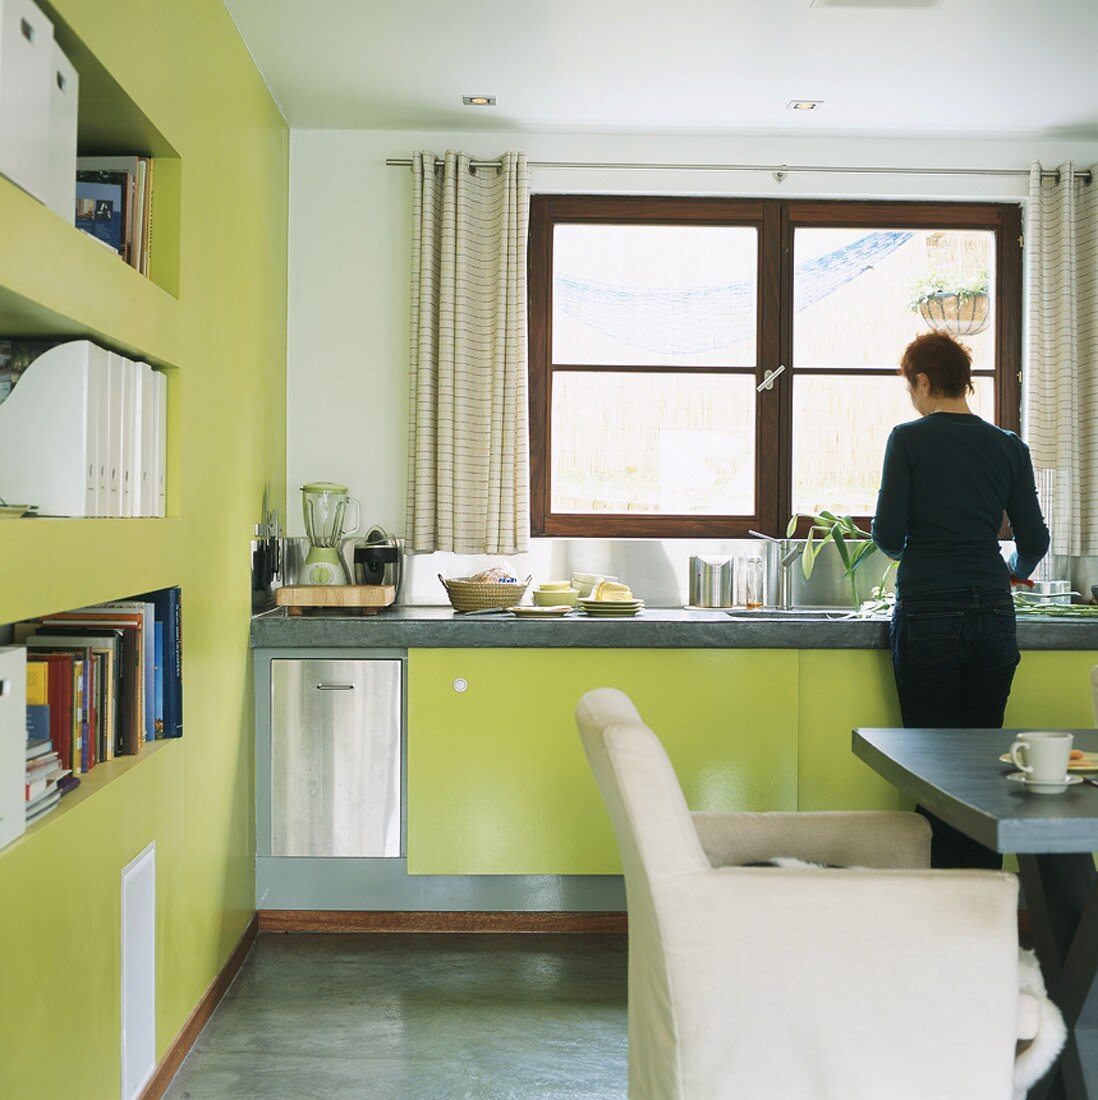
(335, 687)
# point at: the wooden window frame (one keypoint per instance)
(776, 222)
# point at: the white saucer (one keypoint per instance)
(1045, 788)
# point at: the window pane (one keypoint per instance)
(660, 444)
(855, 291)
(840, 426)
(654, 295)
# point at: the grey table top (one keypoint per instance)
(957, 775)
(442, 627)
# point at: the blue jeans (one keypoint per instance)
(954, 653)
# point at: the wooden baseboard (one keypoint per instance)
(183, 1042)
(346, 920)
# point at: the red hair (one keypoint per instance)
(946, 363)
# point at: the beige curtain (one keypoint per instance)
(1062, 384)
(468, 452)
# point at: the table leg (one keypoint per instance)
(1062, 898)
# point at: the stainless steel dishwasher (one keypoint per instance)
(335, 757)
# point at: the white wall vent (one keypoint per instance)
(138, 972)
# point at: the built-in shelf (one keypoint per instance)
(57, 281)
(91, 784)
(79, 562)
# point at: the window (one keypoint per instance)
(702, 367)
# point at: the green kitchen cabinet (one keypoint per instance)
(837, 690)
(843, 688)
(497, 779)
(1052, 689)
(498, 782)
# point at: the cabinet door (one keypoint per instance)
(335, 758)
(497, 778)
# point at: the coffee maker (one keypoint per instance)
(379, 559)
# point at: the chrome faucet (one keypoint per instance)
(785, 554)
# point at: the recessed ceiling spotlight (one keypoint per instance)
(804, 104)
(479, 100)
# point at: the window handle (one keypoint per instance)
(768, 379)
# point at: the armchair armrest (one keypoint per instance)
(856, 839)
(844, 982)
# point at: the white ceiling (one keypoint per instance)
(980, 67)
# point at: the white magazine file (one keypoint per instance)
(114, 435)
(161, 443)
(13, 739)
(26, 69)
(49, 438)
(130, 426)
(64, 93)
(103, 432)
(146, 460)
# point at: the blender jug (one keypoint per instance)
(324, 506)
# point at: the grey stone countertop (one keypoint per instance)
(655, 628)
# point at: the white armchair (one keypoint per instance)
(798, 983)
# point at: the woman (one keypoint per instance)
(948, 477)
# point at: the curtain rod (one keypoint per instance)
(778, 171)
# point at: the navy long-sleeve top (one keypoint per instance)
(947, 480)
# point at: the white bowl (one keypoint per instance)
(584, 583)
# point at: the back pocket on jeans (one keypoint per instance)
(932, 636)
(1007, 633)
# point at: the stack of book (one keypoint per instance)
(44, 772)
(108, 679)
(114, 205)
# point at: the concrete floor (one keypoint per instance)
(418, 1016)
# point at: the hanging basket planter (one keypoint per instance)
(956, 314)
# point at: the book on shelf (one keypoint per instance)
(61, 704)
(44, 770)
(38, 718)
(168, 617)
(114, 204)
(39, 747)
(39, 807)
(109, 687)
(43, 776)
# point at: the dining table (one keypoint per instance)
(957, 775)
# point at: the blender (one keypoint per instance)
(324, 506)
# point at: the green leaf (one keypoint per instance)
(791, 527)
(861, 555)
(808, 558)
(840, 545)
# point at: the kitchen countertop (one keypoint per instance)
(442, 627)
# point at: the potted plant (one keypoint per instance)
(952, 303)
(855, 547)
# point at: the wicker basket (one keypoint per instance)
(483, 595)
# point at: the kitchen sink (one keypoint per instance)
(794, 615)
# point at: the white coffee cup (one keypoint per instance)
(1042, 755)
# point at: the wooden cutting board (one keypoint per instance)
(363, 599)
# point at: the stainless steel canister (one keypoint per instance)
(711, 582)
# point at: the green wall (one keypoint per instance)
(183, 63)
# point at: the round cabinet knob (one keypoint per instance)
(461, 684)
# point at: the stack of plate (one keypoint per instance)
(611, 609)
